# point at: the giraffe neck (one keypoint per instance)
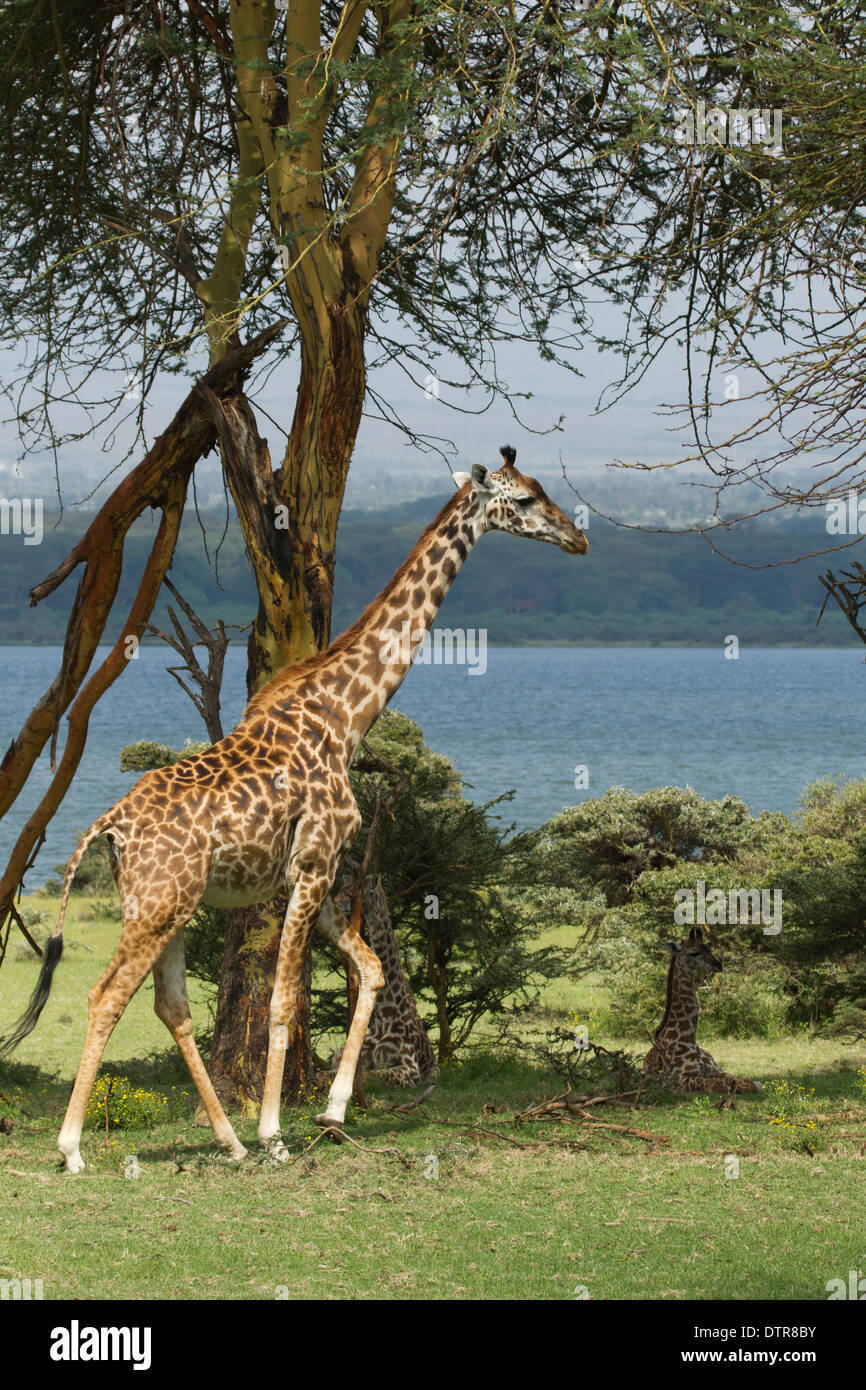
(681, 1008)
(378, 651)
(358, 674)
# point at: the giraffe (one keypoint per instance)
(269, 810)
(675, 1054)
(396, 1047)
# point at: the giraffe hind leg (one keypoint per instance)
(106, 1003)
(339, 931)
(154, 911)
(171, 1005)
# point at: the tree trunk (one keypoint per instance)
(289, 520)
(240, 1046)
(436, 976)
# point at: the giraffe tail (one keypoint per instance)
(52, 953)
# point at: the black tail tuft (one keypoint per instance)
(28, 1020)
(508, 453)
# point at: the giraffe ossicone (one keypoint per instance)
(268, 810)
(675, 1056)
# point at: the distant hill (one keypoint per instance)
(632, 588)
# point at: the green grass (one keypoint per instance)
(575, 1209)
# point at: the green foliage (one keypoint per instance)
(204, 941)
(823, 885)
(144, 755)
(468, 900)
(608, 842)
(834, 808)
(631, 855)
(746, 999)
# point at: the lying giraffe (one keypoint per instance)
(396, 1047)
(675, 1055)
(269, 809)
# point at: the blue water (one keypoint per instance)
(760, 727)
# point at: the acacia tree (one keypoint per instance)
(749, 257)
(401, 176)
(331, 185)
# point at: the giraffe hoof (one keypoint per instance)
(333, 1128)
(276, 1151)
(75, 1163)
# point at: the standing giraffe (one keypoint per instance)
(675, 1055)
(396, 1046)
(269, 809)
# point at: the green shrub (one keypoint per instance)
(608, 842)
(145, 755)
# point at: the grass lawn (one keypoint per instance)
(760, 1200)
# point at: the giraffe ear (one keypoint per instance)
(461, 478)
(672, 946)
(482, 479)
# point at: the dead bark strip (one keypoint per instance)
(160, 480)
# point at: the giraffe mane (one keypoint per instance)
(292, 675)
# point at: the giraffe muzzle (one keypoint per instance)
(578, 545)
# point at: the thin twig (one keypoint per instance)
(364, 1148)
(478, 1129)
(411, 1105)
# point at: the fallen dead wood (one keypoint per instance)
(479, 1129)
(568, 1103)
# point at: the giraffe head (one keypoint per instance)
(509, 501)
(693, 954)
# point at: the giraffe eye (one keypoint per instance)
(524, 501)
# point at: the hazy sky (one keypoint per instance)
(634, 429)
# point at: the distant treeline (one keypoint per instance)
(634, 588)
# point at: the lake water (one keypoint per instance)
(760, 727)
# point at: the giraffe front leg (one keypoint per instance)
(308, 894)
(339, 931)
